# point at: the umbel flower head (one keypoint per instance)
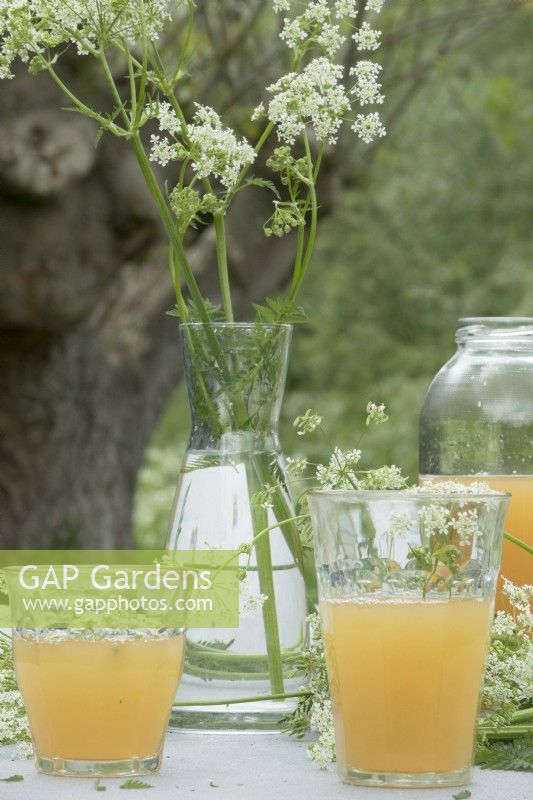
(315, 97)
(28, 28)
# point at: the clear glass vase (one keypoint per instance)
(406, 585)
(477, 422)
(231, 488)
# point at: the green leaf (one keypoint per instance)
(280, 309)
(12, 779)
(213, 785)
(462, 795)
(135, 784)
(265, 184)
(99, 787)
(516, 754)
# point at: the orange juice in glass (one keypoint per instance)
(98, 703)
(406, 585)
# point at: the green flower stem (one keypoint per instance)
(523, 715)
(313, 174)
(266, 586)
(254, 699)
(256, 538)
(515, 540)
(282, 511)
(222, 259)
(170, 227)
(507, 731)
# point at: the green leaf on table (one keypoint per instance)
(463, 795)
(99, 786)
(12, 779)
(135, 784)
(514, 755)
(213, 785)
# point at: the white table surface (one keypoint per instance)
(242, 767)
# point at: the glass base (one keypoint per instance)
(414, 780)
(78, 768)
(257, 717)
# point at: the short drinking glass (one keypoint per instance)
(406, 586)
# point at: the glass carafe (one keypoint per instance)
(477, 422)
(232, 495)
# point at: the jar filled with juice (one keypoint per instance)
(477, 422)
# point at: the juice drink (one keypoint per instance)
(100, 699)
(516, 565)
(405, 678)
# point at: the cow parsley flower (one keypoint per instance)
(368, 127)
(316, 96)
(296, 466)
(248, 601)
(374, 5)
(375, 414)
(308, 422)
(28, 28)
(367, 88)
(383, 478)
(293, 32)
(435, 519)
(330, 39)
(366, 38)
(466, 526)
(400, 523)
(281, 5)
(340, 472)
(346, 9)
(215, 150)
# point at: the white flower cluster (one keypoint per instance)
(369, 127)
(308, 422)
(452, 487)
(248, 601)
(375, 414)
(466, 526)
(316, 96)
(383, 478)
(367, 88)
(340, 472)
(399, 524)
(13, 722)
(213, 149)
(509, 667)
(28, 28)
(438, 520)
(296, 466)
(435, 518)
(374, 5)
(321, 751)
(366, 38)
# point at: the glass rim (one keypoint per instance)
(244, 325)
(495, 331)
(397, 494)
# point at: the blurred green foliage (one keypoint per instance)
(440, 227)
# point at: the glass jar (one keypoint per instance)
(232, 495)
(477, 422)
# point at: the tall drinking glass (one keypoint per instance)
(406, 585)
